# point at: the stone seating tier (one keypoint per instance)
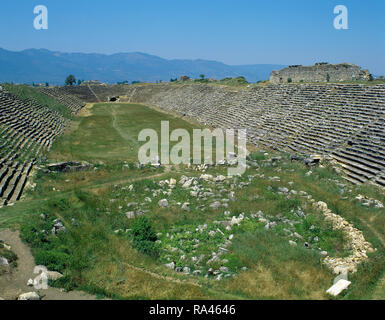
(345, 121)
(26, 129)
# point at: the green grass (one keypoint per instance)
(26, 93)
(288, 269)
(111, 133)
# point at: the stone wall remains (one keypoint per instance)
(320, 72)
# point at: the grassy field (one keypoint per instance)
(110, 133)
(101, 253)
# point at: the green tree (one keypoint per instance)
(47, 84)
(327, 77)
(70, 80)
(289, 80)
(202, 76)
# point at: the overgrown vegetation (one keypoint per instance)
(144, 236)
(47, 248)
(234, 81)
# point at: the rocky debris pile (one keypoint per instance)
(29, 296)
(368, 202)
(186, 253)
(360, 247)
(68, 166)
(44, 274)
(320, 72)
(185, 249)
(58, 227)
(312, 160)
(194, 261)
(230, 160)
(7, 258)
(3, 262)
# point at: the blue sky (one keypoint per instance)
(234, 32)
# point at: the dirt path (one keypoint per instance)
(116, 126)
(14, 283)
(97, 187)
(92, 91)
(158, 276)
(179, 281)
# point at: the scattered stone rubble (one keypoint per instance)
(368, 202)
(218, 196)
(360, 247)
(29, 296)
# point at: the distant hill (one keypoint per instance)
(41, 65)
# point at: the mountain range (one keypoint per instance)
(42, 65)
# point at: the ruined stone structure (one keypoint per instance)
(72, 102)
(26, 129)
(320, 72)
(343, 121)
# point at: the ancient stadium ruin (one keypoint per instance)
(343, 122)
(202, 218)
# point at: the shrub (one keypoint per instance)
(52, 259)
(202, 80)
(67, 283)
(147, 247)
(144, 236)
(29, 232)
(142, 230)
(289, 80)
(234, 81)
(70, 80)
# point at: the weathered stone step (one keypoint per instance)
(357, 162)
